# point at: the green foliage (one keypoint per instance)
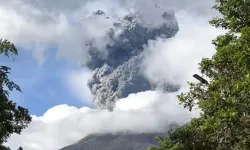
(13, 118)
(7, 148)
(7, 48)
(224, 122)
(20, 148)
(235, 14)
(4, 148)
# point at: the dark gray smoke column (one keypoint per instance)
(116, 68)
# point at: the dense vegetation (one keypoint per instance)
(224, 123)
(13, 118)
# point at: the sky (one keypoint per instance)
(46, 85)
(54, 84)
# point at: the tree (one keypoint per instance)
(224, 122)
(20, 148)
(13, 118)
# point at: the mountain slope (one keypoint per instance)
(115, 142)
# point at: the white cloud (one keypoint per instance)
(63, 125)
(147, 111)
(34, 25)
(37, 24)
(29, 33)
(193, 7)
(176, 59)
(77, 81)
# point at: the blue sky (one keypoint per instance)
(43, 86)
(41, 34)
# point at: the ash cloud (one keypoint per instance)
(117, 69)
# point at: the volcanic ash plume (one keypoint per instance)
(117, 69)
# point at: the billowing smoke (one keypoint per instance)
(116, 57)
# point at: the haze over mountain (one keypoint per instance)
(115, 142)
